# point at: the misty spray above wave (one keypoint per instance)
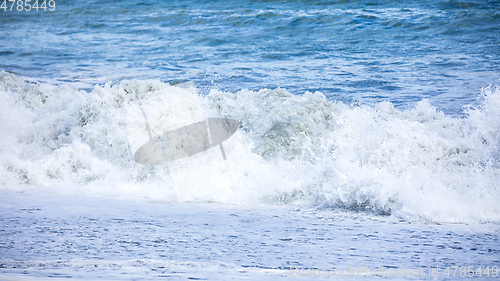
(290, 149)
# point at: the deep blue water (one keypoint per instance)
(355, 51)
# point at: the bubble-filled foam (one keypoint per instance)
(304, 150)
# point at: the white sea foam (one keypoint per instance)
(290, 149)
(135, 269)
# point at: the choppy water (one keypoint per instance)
(377, 116)
(361, 51)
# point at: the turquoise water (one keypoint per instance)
(354, 51)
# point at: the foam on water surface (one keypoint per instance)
(107, 239)
(294, 150)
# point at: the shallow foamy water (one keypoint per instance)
(84, 238)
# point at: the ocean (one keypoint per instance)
(368, 140)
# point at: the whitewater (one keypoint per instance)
(292, 150)
(367, 142)
(321, 185)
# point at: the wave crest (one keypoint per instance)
(290, 149)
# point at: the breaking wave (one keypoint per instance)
(296, 150)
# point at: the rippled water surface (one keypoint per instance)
(364, 51)
(368, 138)
(123, 240)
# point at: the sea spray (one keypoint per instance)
(301, 150)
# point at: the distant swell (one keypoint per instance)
(297, 150)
